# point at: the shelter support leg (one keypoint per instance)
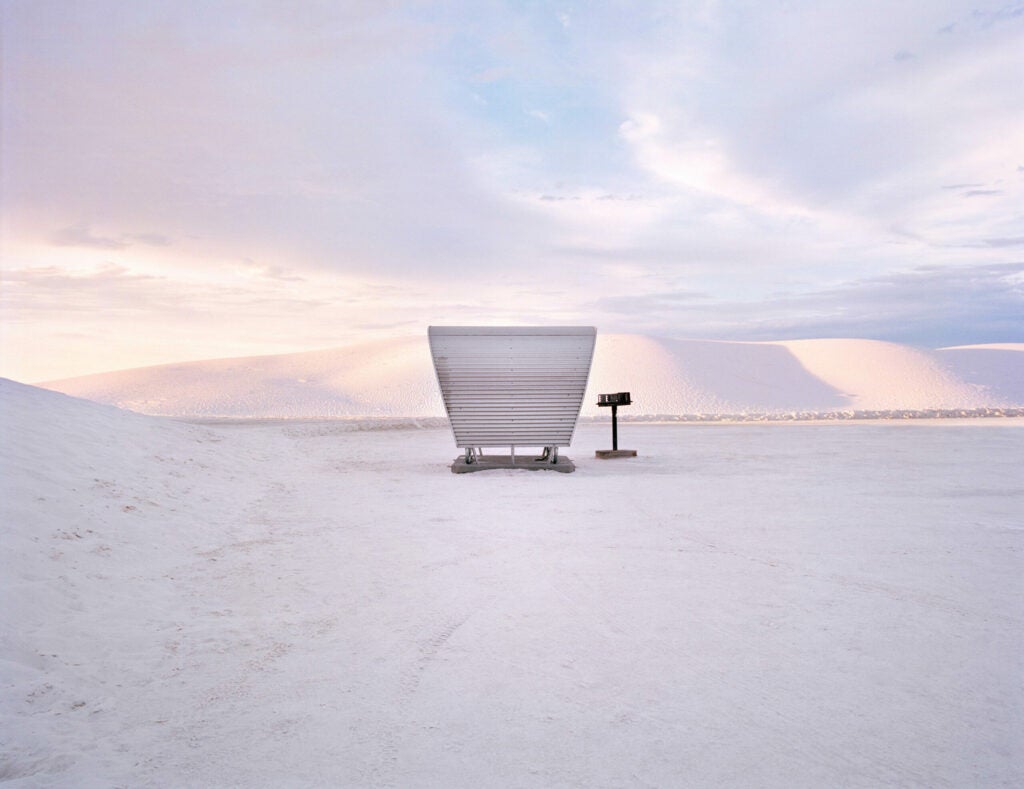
(549, 454)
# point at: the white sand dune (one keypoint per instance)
(394, 378)
(377, 379)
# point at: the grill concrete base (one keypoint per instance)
(523, 462)
(615, 453)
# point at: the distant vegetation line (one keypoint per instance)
(326, 425)
(826, 416)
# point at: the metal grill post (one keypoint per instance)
(613, 401)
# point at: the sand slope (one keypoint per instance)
(303, 604)
(394, 378)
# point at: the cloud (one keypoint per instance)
(651, 303)
(1004, 242)
(149, 239)
(347, 139)
(927, 306)
(329, 145)
(81, 235)
(60, 322)
(768, 110)
(55, 278)
(271, 271)
(1006, 13)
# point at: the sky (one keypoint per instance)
(185, 180)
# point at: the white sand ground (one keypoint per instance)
(300, 604)
(395, 378)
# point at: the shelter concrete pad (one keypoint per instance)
(487, 462)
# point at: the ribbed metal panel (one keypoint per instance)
(512, 385)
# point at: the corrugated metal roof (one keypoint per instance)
(512, 385)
